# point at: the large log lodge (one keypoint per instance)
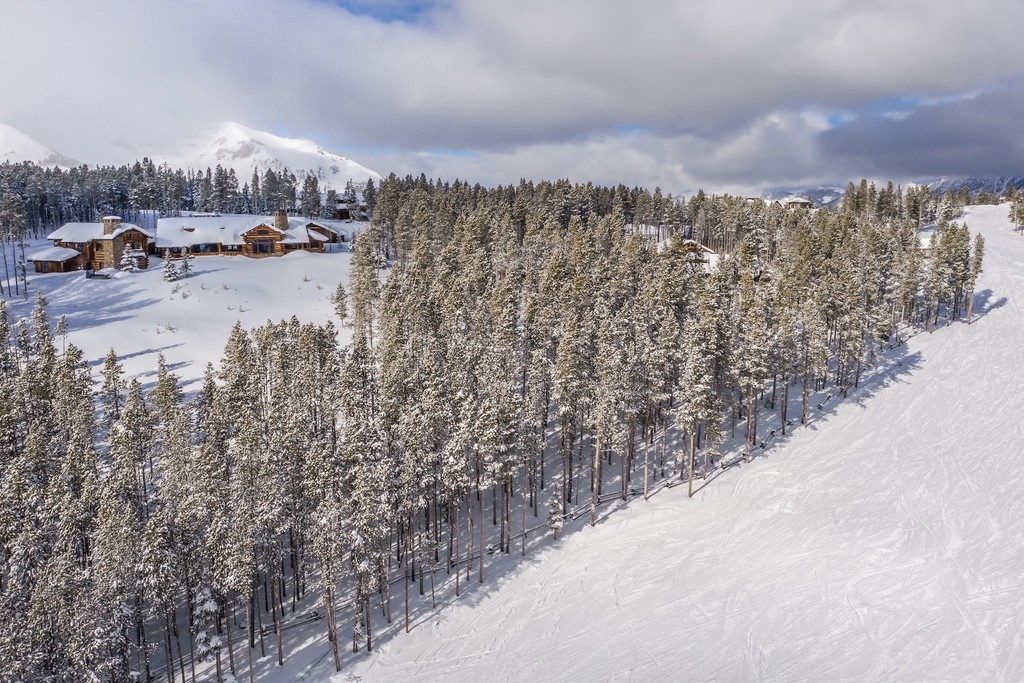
(95, 246)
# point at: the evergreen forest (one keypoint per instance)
(518, 357)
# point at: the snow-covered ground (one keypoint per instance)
(885, 541)
(141, 316)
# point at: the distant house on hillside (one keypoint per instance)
(92, 246)
(344, 206)
(253, 236)
(700, 256)
(797, 203)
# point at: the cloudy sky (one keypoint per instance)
(729, 95)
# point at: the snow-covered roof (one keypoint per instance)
(57, 254)
(86, 232)
(332, 226)
(297, 232)
(185, 231)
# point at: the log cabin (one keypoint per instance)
(95, 246)
(207, 234)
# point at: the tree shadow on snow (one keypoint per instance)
(983, 304)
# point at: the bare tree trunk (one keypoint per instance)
(469, 539)
(408, 563)
(259, 624)
(565, 474)
(369, 624)
(143, 644)
(785, 404)
(692, 458)
(480, 500)
(332, 625)
(664, 439)
(750, 415)
(277, 604)
(357, 616)
(252, 644)
(594, 473)
(170, 654)
(524, 518)
(387, 588)
(457, 534)
(229, 618)
(646, 458)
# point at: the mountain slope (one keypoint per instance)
(17, 147)
(233, 145)
(823, 195)
(884, 541)
(994, 184)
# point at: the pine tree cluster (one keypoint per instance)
(536, 350)
(51, 197)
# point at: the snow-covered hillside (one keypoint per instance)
(994, 184)
(140, 316)
(17, 147)
(233, 145)
(885, 541)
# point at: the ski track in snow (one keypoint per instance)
(885, 541)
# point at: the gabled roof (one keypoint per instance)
(186, 231)
(53, 254)
(331, 226)
(87, 232)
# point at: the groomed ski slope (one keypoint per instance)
(885, 541)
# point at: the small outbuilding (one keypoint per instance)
(55, 260)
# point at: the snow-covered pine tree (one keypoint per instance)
(185, 267)
(170, 270)
(110, 397)
(977, 256)
(129, 262)
(340, 301)
(365, 284)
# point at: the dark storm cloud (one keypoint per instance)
(977, 136)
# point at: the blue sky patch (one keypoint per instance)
(401, 11)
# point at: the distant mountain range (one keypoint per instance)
(231, 145)
(824, 195)
(244, 149)
(17, 147)
(998, 185)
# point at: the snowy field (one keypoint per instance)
(141, 316)
(885, 541)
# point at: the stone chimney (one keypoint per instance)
(281, 220)
(110, 224)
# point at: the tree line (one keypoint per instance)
(50, 197)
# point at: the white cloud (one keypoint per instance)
(718, 88)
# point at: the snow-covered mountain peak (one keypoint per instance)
(233, 145)
(17, 147)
